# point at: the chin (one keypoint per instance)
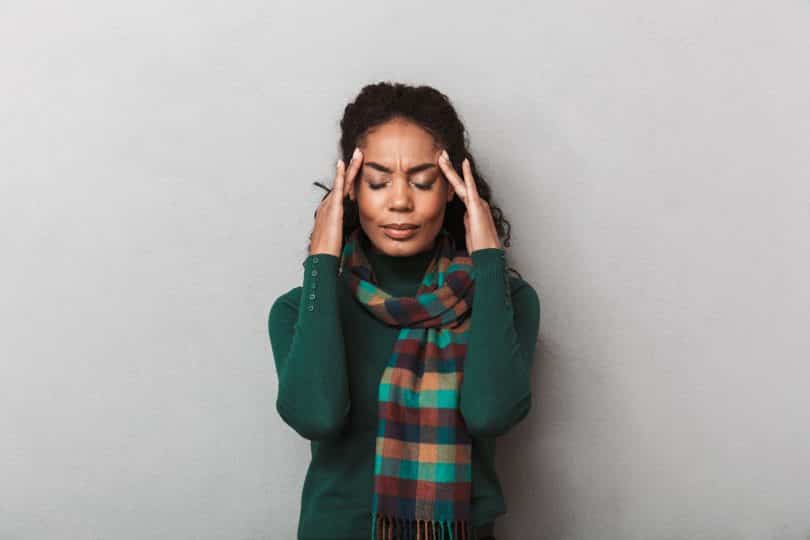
(402, 247)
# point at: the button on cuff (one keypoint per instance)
(317, 266)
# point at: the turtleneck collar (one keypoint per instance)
(398, 275)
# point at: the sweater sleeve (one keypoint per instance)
(496, 390)
(307, 343)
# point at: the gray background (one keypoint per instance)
(156, 163)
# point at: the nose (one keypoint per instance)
(401, 197)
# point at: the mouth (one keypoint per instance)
(400, 232)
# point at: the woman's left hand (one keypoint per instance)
(479, 225)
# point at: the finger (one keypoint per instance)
(453, 177)
(469, 179)
(467, 231)
(323, 202)
(354, 166)
(337, 186)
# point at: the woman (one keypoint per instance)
(405, 295)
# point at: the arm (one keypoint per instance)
(308, 349)
(495, 390)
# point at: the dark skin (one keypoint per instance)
(399, 175)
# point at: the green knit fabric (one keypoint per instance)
(322, 341)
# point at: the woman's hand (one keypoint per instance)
(479, 225)
(327, 233)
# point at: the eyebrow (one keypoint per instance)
(412, 170)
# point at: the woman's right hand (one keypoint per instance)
(327, 233)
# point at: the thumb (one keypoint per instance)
(467, 232)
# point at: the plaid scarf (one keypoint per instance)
(422, 470)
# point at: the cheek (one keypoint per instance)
(434, 204)
(369, 202)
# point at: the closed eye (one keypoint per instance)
(423, 187)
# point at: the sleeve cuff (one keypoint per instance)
(489, 269)
(488, 256)
(320, 276)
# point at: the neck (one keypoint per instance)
(399, 275)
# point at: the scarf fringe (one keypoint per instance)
(394, 528)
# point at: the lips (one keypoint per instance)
(399, 233)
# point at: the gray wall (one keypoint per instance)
(156, 163)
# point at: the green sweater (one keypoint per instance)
(330, 353)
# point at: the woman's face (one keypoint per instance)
(400, 183)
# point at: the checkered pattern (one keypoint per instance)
(422, 466)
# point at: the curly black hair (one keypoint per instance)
(430, 109)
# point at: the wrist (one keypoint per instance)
(317, 250)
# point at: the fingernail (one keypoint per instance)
(339, 163)
(444, 155)
(356, 154)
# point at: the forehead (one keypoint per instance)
(398, 139)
